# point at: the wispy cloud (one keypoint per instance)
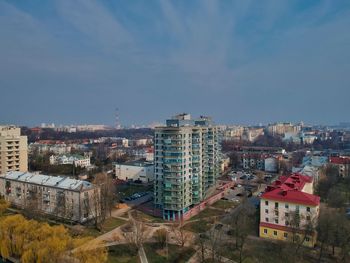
(246, 61)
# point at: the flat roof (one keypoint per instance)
(137, 163)
(49, 181)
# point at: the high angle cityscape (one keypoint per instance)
(180, 131)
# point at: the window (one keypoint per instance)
(308, 209)
(266, 219)
(266, 202)
(286, 206)
(287, 223)
(307, 239)
(275, 233)
(265, 231)
(276, 221)
(308, 218)
(266, 211)
(285, 235)
(276, 205)
(286, 215)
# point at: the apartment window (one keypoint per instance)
(276, 213)
(287, 223)
(286, 215)
(266, 211)
(308, 209)
(266, 202)
(276, 205)
(308, 218)
(275, 233)
(285, 235)
(286, 206)
(266, 219)
(265, 231)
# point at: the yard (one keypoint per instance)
(223, 204)
(174, 253)
(208, 212)
(200, 226)
(122, 254)
(109, 224)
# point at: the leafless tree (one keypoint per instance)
(137, 234)
(180, 234)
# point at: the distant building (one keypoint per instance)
(288, 209)
(282, 128)
(187, 163)
(13, 150)
(136, 170)
(76, 159)
(62, 197)
(271, 165)
(343, 165)
(45, 147)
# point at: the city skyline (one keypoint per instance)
(239, 62)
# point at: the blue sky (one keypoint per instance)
(67, 61)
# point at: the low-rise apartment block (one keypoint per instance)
(76, 159)
(343, 165)
(13, 150)
(289, 210)
(61, 197)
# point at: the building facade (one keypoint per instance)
(343, 165)
(289, 210)
(76, 159)
(61, 197)
(136, 170)
(187, 163)
(13, 150)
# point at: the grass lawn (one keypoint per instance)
(175, 253)
(122, 254)
(208, 212)
(110, 224)
(147, 218)
(223, 204)
(198, 226)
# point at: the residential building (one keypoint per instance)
(187, 163)
(283, 128)
(45, 147)
(62, 197)
(13, 150)
(135, 170)
(343, 165)
(76, 159)
(289, 210)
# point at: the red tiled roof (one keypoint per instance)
(340, 160)
(289, 189)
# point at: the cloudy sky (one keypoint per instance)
(75, 61)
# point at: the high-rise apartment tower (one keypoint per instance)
(13, 150)
(187, 163)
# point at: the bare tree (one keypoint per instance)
(180, 234)
(137, 234)
(107, 194)
(242, 222)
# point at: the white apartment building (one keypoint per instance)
(136, 170)
(13, 150)
(76, 159)
(62, 197)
